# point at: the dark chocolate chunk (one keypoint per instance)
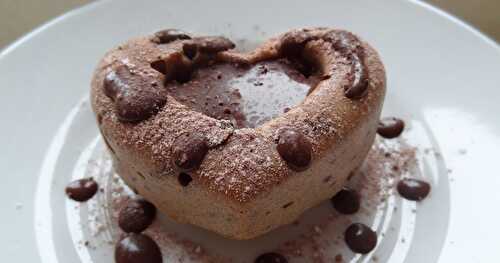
(360, 238)
(134, 95)
(390, 127)
(168, 35)
(136, 215)
(189, 150)
(184, 179)
(190, 49)
(271, 258)
(294, 148)
(351, 48)
(132, 108)
(413, 189)
(178, 67)
(160, 66)
(359, 83)
(137, 248)
(346, 201)
(82, 190)
(213, 44)
(183, 69)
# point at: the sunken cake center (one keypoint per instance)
(247, 96)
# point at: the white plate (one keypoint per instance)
(443, 79)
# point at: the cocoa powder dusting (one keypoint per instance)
(374, 181)
(153, 137)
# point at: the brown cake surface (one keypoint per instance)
(238, 143)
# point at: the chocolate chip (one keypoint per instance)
(390, 127)
(168, 35)
(351, 48)
(190, 49)
(271, 258)
(112, 85)
(346, 201)
(294, 148)
(134, 97)
(413, 189)
(136, 215)
(132, 109)
(160, 66)
(180, 68)
(82, 190)
(189, 150)
(137, 248)
(360, 238)
(177, 67)
(359, 84)
(213, 44)
(184, 179)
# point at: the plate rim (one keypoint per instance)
(32, 35)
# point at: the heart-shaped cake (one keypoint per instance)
(238, 143)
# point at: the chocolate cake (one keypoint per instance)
(238, 143)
